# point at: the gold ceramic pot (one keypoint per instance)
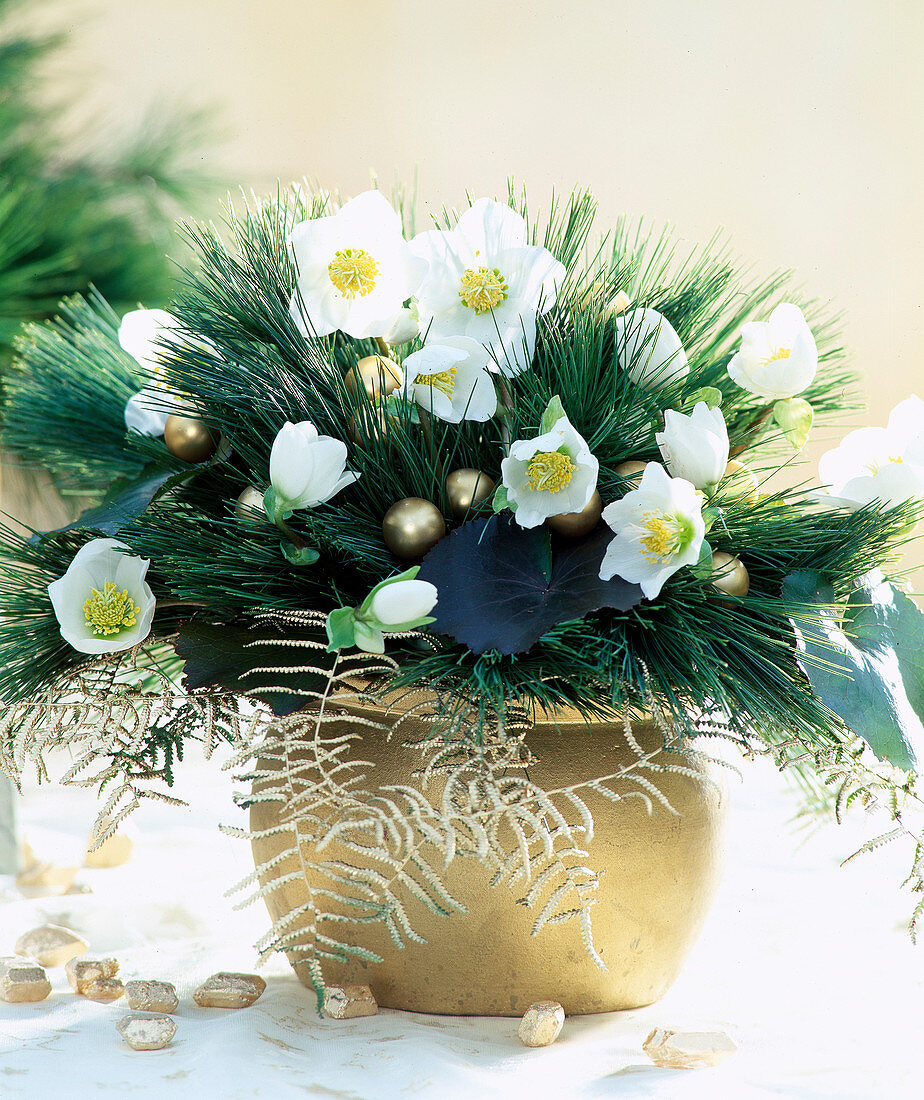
(661, 873)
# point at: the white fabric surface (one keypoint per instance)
(807, 966)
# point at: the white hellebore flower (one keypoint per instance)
(884, 464)
(485, 281)
(354, 270)
(777, 358)
(140, 333)
(450, 379)
(102, 602)
(659, 529)
(695, 447)
(649, 349)
(549, 475)
(307, 469)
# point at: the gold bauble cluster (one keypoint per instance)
(249, 507)
(575, 524)
(412, 527)
(376, 375)
(466, 488)
(189, 438)
(732, 576)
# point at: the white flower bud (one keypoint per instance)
(307, 469)
(403, 602)
(695, 447)
(649, 349)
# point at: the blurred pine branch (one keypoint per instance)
(69, 221)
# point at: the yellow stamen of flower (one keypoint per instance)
(875, 466)
(353, 272)
(664, 538)
(779, 353)
(110, 611)
(483, 288)
(444, 381)
(549, 471)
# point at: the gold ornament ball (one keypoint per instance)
(412, 527)
(466, 488)
(375, 374)
(371, 425)
(249, 507)
(742, 481)
(733, 577)
(575, 524)
(632, 470)
(189, 438)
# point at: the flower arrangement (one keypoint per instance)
(495, 461)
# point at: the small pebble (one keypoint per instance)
(541, 1024)
(229, 990)
(146, 1030)
(104, 989)
(51, 945)
(113, 852)
(22, 981)
(151, 996)
(346, 1002)
(80, 972)
(44, 879)
(687, 1049)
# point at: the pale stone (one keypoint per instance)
(104, 989)
(146, 1030)
(22, 981)
(80, 972)
(151, 996)
(345, 1002)
(41, 879)
(228, 990)
(113, 852)
(541, 1024)
(687, 1049)
(51, 945)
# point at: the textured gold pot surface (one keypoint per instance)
(661, 873)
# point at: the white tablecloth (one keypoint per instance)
(807, 966)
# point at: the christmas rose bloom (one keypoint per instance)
(778, 357)
(307, 469)
(695, 447)
(549, 475)
(140, 334)
(354, 270)
(649, 349)
(485, 281)
(659, 529)
(450, 379)
(103, 603)
(884, 464)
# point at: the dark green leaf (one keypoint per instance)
(866, 669)
(494, 592)
(225, 655)
(125, 502)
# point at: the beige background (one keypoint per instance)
(793, 125)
